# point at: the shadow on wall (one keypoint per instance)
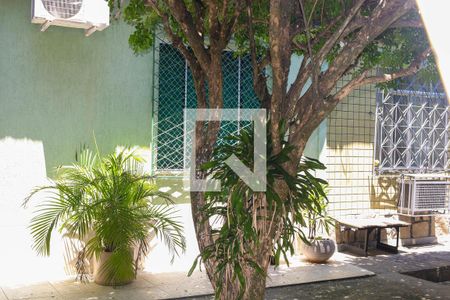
(384, 192)
(350, 154)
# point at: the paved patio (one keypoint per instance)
(178, 285)
(347, 277)
(388, 283)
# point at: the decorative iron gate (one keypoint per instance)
(412, 131)
(174, 90)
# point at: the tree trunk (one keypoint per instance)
(203, 232)
(206, 137)
(302, 112)
(255, 286)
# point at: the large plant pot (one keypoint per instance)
(101, 278)
(319, 251)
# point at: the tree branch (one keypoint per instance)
(214, 27)
(304, 73)
(383, 16)
(311, 111)
(259, 81)
(416, 23)
(176, 40)
(227, 27)
(364, 78)
(360, 21)
(199, 15)
(280, 53)
(184, 18)
(335, 37)
(314, 70)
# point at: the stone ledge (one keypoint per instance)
(418, 241)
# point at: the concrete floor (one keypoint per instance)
(374, 288)
(388, 283)
(177, 285)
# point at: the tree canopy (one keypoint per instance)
(366, 41)
(374, 41)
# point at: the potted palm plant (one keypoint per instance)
(317, 248)
(106, 204)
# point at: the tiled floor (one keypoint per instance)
(389, 282)
(173, 285)
(387, 267)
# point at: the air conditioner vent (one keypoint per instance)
(63, 9)
(422, 194)
(431, 195)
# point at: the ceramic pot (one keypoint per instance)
(100, 277)
(319, 251)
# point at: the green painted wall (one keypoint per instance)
(59, 86)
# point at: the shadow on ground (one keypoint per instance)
(388, 283)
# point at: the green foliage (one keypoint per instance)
(144, 20)
(391, 51)
(245, 218)
(240, 214)
(317, 219)
(107, 204)
(396, 49)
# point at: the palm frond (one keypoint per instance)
(105, 196)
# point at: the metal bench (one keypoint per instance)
(369, 225)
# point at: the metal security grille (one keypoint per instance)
(174, 90)
(63, 9)
(412, 131)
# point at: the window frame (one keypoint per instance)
(432, 104)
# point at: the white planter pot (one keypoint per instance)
(319, 251)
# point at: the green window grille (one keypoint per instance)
(174, 91)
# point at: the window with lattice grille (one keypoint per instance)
(175, 91)
(412, 129)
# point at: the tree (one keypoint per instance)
(370, 41)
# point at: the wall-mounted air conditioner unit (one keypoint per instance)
(424, 194)
(91, 15)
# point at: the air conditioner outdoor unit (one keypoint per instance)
(424, 194)
(91, 15)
